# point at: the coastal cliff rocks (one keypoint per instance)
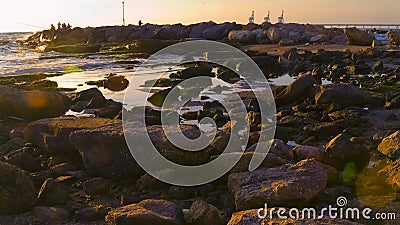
(17, 191)
(359, 37)
(31, 105)
(155, 212)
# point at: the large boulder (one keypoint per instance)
(390, 146)
(288, 185)
(154, 212)
(198, 29)
(341, 151)
(394, 37)
(52, 135)
(202, 213)
(358, 37)
(17, 191)
(276, 35)
(31, 105)
(220, 31)
(298, 88)
(242, 37)
(104, 151)
(171, 32)
(344, 95)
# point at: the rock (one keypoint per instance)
(96, 103)
(288, 185)
(50, 214)
(250, 27)
(262, 36)
(393, 101)
(198, 29)
(52, 193)
(13, 144)
(275, 35)
(358, 37)
(250, 217)
(302, 152)
(279, 149)
(86, 215)
(344, 95)
(155, 212)
(242, 37)
(393, 175)
(195, 71)
(52, 135)
(17, 190)
(25, 159)
(394, 37)
(97, 186)
(296, 90)
(390, 146)
(321, 38)
(104, 151)
(87, 95)
(219, 31)
(116, 83)
(170, 32)
(61, 169)
(286, 42)
(202, 213)
(110, 110)
(341, 151)
(157, 99)
(31, 105)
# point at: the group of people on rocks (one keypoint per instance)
(61, 27)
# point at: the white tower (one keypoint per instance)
(266, 19)
(251, 19)
(281, 19)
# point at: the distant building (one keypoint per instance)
(281, 19)
(267, 19)
(251, 19)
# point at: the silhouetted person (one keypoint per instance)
(69, 26)
(64, 26)
(140, 23)
(52, 31)
(59, 25)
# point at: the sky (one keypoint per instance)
(33, 15)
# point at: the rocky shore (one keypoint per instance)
(151, 37)
(332, 140)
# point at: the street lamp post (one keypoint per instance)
(123, 13)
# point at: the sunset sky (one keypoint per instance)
(31, 15)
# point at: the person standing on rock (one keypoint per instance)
(59, 25)
(140, 23)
